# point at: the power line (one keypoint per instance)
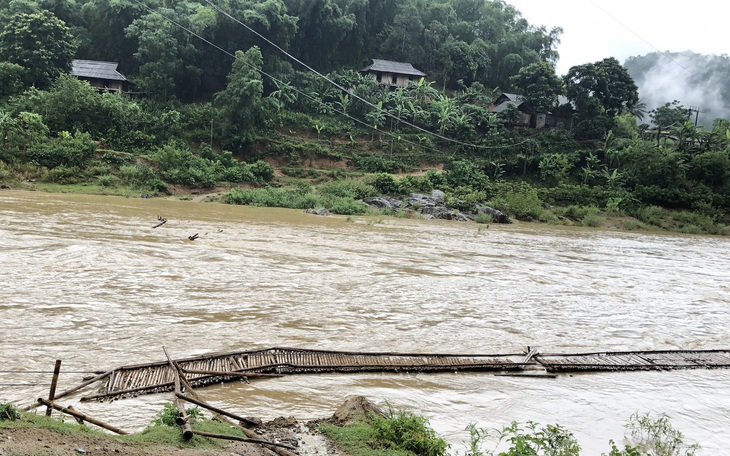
(664, 53)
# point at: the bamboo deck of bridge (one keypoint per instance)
(157, 377)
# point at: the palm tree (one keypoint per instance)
(639, 109)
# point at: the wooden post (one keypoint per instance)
(183, 420)
(76, 414)
(54, 382)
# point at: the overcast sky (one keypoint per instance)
(596, 29)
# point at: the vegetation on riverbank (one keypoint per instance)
(367, 432)
(278, 136)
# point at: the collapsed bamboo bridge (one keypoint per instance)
(157, 377)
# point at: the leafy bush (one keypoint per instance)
(351, 188)
(519, 201)
(651, 215)
(64, 151)
(407, 431)
(657, 436)
(8, 412)
(169, 414)
(385, 183)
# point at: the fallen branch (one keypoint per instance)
(162, 221)
(75, 414)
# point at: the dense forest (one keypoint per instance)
(256, 95)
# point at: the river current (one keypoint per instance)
(86, 279)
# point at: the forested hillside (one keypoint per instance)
(259, 94)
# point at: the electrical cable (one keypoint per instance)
(664, 53)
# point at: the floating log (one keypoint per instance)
(74, 413)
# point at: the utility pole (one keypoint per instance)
(696, 110)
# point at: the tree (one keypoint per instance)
(669, 115)
(11, 79)
(606, 81)
(539, 85)
(39, 42)
(240, 102)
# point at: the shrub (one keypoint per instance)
(8, 412)
(407, 431)
(385, 183)
(651, 215)
(350, 188)
(520, 202)
(483, 218)
(657, 436)
(169, 414)
(108, 180)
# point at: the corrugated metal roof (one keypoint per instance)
(96, 69)
(388, 66)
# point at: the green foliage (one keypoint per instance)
(39, 42)
(294, 198)
(657, 436)
(404, 430)
(169, 414)
(385, 183)
(462, 173)
(551, 440)
(68, 151)
(349, 188)
(539, 85)
(12, 77)
(8, 412)
(520, 201)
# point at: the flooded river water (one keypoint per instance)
(87, 280)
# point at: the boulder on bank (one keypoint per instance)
(355, 409)
(320, 211)
(433, 206)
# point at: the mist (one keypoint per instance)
(695, 80)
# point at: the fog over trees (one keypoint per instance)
(695, 80)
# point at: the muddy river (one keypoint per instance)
(86, 279)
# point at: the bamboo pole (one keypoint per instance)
(184, 419)
(74, 413)
(241, 439)
(251, 434)
(54, 382)
(217, 410)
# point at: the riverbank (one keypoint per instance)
(651, 219)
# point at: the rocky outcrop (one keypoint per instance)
(433, 206)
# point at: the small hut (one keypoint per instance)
(102, 75)
(394, 74)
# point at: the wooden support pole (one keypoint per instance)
(183, 420)
(251, 434)
(217, 410)
(54, 382)
(74, 413)
(241, 439)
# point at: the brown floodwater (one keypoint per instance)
(86, 279)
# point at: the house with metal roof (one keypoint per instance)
(102, 75)
(395, 74)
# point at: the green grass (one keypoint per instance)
(358, 439)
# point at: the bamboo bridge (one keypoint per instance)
(134, 380)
